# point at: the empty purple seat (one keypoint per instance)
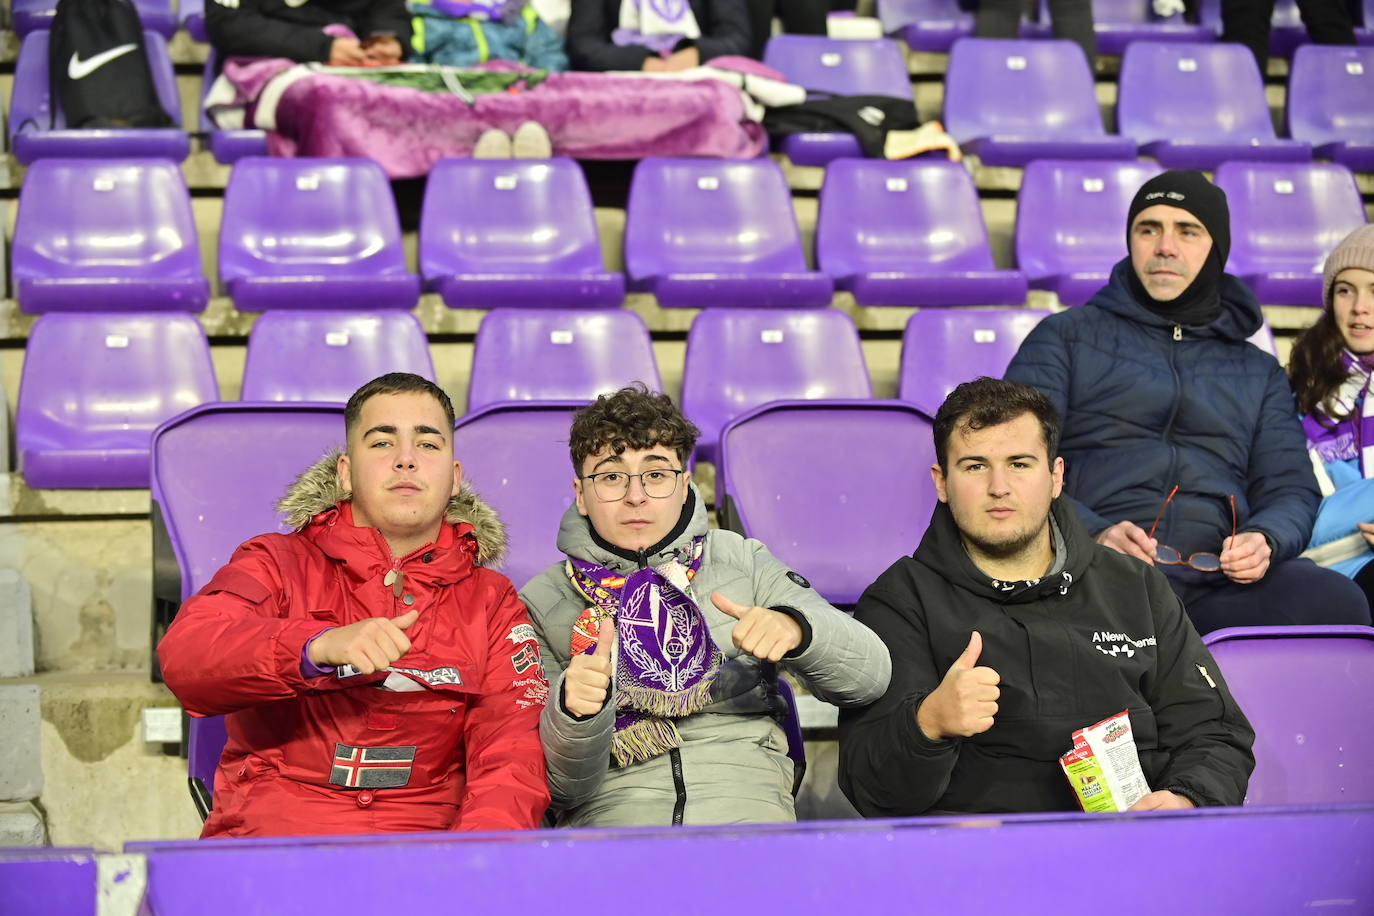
(1120, 22)
(1009, 102)
(712, 232)
(866, 473)
(739, 359)
(909, 233)
(944, 347)
(1195, 106)
(548, 355)
(1071, 223)
(326, 356)
(95, 386)
(1329, 93)
(115, 235)
(1285, 219)
(32, 112)
(516, 456)
(925, 25)
(191, 13)
(227, 145)
(1298, 687)
(156, 15)
(312, 233)
(61, 880)
(836, 67)
(513, 233)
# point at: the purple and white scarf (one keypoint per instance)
(1352, 437)
(665, 659)
(656, 24)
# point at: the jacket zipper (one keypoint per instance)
(679, 785)
(1173, 415)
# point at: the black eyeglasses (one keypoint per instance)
(659, 483)
(1170, 556)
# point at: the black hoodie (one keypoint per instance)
(1102, 633)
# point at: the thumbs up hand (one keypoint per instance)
(368, 645)
(587, 682)
(966, 700)
(761, 632)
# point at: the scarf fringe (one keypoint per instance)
(644, 740)
(653, 702)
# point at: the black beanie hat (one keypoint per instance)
(1189, 191)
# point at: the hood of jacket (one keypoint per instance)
(576, 538)
(1240, 314)
(319, 489)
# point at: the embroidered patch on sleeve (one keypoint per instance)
(526, 658)
(371, 767)
(798, 578)
(522, 632)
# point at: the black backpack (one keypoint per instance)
(98, 67)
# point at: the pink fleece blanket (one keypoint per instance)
(587, 115)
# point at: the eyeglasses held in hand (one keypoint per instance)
(660, 483)
(1170, 556)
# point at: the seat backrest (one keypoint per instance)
(309, 217)
(30, 105)
(894, 14)
(708, 216)
(558, 354)
(1329, 88)
(900, 216)
(516, 457)
(1037, 89)
(507, 216)
(1071, 215)
(326, 356)
(862, 466)
(840, 67)
(1288, 216)
(738, 359)
(1299, 687)
(1174, 91)
(92, 218)
(944, 347)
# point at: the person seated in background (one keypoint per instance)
(373, 675)
(664, 638)
(645, 35)
(1009, 629)
(343, 33)
(1331, 366)
(1182, 438)
(464, 33)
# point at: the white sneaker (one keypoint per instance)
(492, 144)
(531, 141)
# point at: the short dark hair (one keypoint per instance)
(632, 418)
(986, 402)
(395, 383)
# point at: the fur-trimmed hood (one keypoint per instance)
(319, 488)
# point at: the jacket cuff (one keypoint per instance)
(919, 743)
(563, 707)
(802, 622)
(1192, 796)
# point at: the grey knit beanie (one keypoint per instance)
(1355, 250)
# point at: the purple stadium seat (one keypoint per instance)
(1264, 339)
(831, 66)
(114, 235)
(909, 233)
(1285, 219)
(1329, 93)
(943, 347)
(48, 880)
(95, 386)
(925, 25)
(227, 145)
(213, 487)
(312, 233)
(866, 474)
(1299, 686)
(1009, 102)
(738, 359)
(1364, 30)
(326, 356)
(192, 16)
(1071, 223)
(710, 232)
(1120, 22)
(1195, 106)
(516, 456)
(791, 727)
(513, 233)
(32, 112)
(156, 15)
(548, 355)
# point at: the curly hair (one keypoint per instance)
(395, 383)
(632, 418)
(986, 402)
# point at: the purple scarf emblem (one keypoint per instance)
(669, 10)
(665, 658)
(1353, 436)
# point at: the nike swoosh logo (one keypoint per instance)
(80, 69)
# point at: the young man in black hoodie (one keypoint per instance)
(1009, 629)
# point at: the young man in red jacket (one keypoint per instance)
(375, 677)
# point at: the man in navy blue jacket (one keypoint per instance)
(1181, 439)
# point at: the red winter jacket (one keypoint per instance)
(336, 754)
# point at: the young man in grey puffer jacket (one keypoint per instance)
(663, 639)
